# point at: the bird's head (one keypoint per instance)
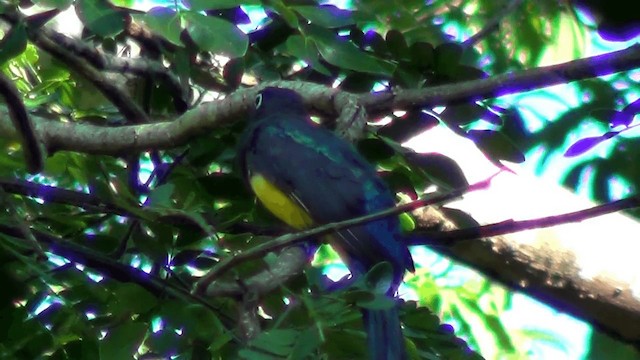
(272, 101)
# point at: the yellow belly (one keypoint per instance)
(283, 206)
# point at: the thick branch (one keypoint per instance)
(164, 135)
(545, 270)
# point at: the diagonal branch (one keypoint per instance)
(512, 226)
(436, 238)
(115, 270)
(296, 238)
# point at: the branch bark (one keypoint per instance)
(546, 272)
(164, 135)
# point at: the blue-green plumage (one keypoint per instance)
(331, 182)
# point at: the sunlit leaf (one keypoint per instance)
(165, 22)
(122, 341)
(100, 17)
(345, 54)
(198, 5)
(58, 4)
(328, 16)
(228, 39)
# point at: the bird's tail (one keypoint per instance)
(384, 334)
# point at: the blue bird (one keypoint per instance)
(307, 176)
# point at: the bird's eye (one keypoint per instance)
(258, 101)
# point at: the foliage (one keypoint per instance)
(126, 245)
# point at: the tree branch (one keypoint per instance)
(139, 66)
(296, 238)
(289, 262)
(118, 140)
(503, 84)
(546, 269)
(512, 226)
(34, 158)
(118, 96)
(115, 270)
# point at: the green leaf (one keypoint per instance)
(199, 5)
(496, 145)
(87, 348)
(122, 342)
(493, 323)
(440, 169)
(224, 186)
(344, 54)
(328, 16)
(233, 71)
(161, 196)
(460, 218)
(462, 114)
(420, 318)
(100, 17)
(397, 45)
(305, 49)
(287, 14)
(380, 277)
(375, 149)
(380, 302)
(306, 344)
(13, 43)
(166, 342)
(164, 23)
(228, 40)
(413, 123)
(358, 82)
(358, 295)
(58, 4)
(447, 58)
(201, 323)
(134, 298)
(277, 341)
(422, 55)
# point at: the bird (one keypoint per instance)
(305, 175)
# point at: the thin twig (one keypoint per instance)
(296, 238)
(512, 226)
